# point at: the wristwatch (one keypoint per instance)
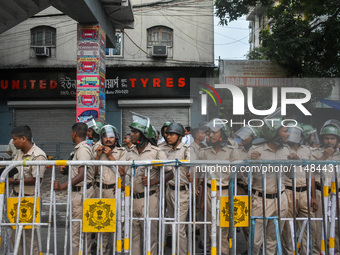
(15, 182)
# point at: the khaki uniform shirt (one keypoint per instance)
(233, 142)
(109, 176)
(304, 152)
(94, 149)
(327, 171)
(195, 148)
(242, 178)
(271, 179)
(164, 147)
(182, 151)
(83, 151)
(150, 152)
(35, 153)
(225, 153)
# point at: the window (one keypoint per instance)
(43, 36)
(160, 35)
(117, 51)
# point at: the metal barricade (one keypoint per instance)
(125, 223)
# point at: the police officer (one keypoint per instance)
(276, 135)
(164, 144)
(26, 150)
(179, 151)
(297, 152)
(141, 134)
(82, 151)
(93, 134)
(199, 136)
(219, 150)
(310, 136)
(330, 139)
(246, 135)
(108, 151)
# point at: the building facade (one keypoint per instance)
(148, 70)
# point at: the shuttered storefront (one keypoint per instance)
(51, 128)
(157, 115)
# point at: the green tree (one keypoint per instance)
(304, 35)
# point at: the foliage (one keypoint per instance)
(304, 35)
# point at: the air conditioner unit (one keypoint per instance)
(159, 51)
(42, 51)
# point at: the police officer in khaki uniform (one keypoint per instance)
(276, 135)
(26, 150)
(199, 136)
(297, 152)
(179, 151)
(164, 144)
(141, 134)
(108, 151)
(82, 151)
(93, 134)
(219, 150)
(330, 139)
(247, 135)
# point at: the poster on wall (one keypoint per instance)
(87, 81)
(88, 33)
(87, 65)
(87, 98)
(102, 82)
(85, 114)
(101, 100)
(88, 48)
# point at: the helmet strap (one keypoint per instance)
(142, 142)
(277, 141)
(95, 137)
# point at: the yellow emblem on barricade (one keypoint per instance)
(241, 211)
(99, 215)
(26, 210)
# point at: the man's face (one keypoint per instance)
(90, 133)
(283, 132)
(18, 141)
(247, 141)
(127, 139)
(74, 136)
(207, 136)
(109, 141)
(215, 136)
(165, 133)
(330, 141)
(186, 132)
(200, 135)
(135, 135)
(172, 138)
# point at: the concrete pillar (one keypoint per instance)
(90, 73)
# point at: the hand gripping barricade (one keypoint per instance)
(120, 218)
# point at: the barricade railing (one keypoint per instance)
(124, 219)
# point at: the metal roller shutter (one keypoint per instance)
(51, 128)
(157, 115)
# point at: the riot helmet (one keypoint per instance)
(142, 124)
(295, 132)
(108, 131)
(218, 124)
(96, 127)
